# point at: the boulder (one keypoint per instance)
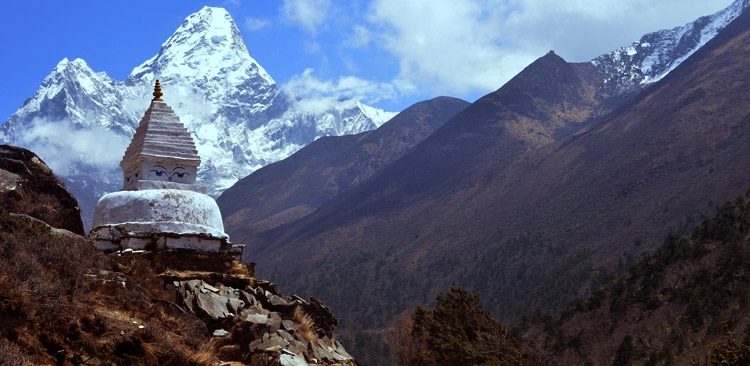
(260, 333)
(28, 186)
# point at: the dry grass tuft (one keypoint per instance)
(239, 268)
(152, 352)
(10, 354)
(204, 356)
(306, 325)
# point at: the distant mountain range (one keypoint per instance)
(80, 121)
(531, 194)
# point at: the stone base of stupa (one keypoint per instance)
(160, 219)
(188, 261)
(121, 237)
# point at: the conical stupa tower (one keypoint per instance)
(160, 206)
(162, 150)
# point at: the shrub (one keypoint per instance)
(458, 331)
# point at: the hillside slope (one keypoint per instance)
(64, 302)
(296, 186)
(675, 306)
(500, 200)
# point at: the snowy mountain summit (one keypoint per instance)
(80, 121)
(657, 53)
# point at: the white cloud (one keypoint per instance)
(61, 145)
(308, 14)
(445, 46)
(583, 29)
(359, 37)
(254, 24)
(311, 88)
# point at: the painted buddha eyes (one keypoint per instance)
(177, 172)
(159, 173)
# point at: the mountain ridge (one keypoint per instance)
(657, 53)
(327, 167)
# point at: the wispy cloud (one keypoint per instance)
(359, 37)
(254, 24)
(308, 86)
(444, 45)
(51, 140)
(307, 14)
(462, 48)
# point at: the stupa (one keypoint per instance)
(160, 207)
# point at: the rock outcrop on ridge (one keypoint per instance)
(27, 186)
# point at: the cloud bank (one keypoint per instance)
(62, 146)
(471, 47)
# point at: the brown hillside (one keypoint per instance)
(64, 302)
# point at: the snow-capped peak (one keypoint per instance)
(658, 53)
(205, 39)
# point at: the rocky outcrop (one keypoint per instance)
(28, 186)
(256, 324)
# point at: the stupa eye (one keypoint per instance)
(179, 172)
(158, 173)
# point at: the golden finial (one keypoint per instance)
(157, 92)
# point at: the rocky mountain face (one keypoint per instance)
(80, 121)
(531, 194)
(326, 168)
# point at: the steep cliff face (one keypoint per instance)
(80, 121)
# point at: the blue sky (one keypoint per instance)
(388, 53)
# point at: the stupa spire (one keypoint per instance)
(157, 92)
(162, 150)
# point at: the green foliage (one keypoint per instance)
(692, 287)
(730, 353)
(458, 331)
(624, 352)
